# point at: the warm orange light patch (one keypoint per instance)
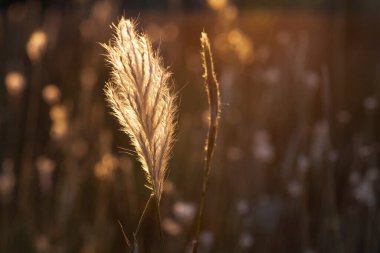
(14, 82)
(36, 45)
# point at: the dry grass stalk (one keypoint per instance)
(213, 95)
(141, 99)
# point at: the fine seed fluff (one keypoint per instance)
(141, 99)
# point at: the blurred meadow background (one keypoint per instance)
(296, 166)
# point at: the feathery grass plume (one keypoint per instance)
(141, 99)
(213, 96)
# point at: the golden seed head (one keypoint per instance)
(141, 99)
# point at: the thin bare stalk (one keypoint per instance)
(213, 94)
(134, 247)
(158, 212)
(127, 241)
(143, 215)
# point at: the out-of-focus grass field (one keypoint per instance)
(296, 167)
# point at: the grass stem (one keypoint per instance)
(143, 215)
(213, 93)
(159, 224)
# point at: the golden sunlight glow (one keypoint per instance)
(36, 45)
(51, 94)
(58, 115)
(217, 4)
(14, 82)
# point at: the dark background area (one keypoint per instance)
(355, 5)
(296, 167)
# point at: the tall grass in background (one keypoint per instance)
(295, 168)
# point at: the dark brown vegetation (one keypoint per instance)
(296, 168)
